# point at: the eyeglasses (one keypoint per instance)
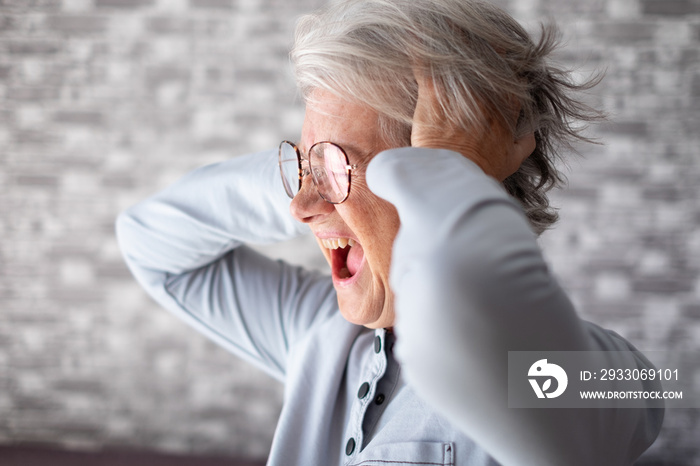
(327, 164)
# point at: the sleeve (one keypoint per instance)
(185, 246)
(471, 284)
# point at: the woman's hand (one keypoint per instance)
(492, 147)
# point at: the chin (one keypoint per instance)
(366, 318)
(351, 314)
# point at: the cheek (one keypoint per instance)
(383, 217)
(366, 209)
(374, 220)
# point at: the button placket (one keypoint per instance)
(383, 391)
(365, 395)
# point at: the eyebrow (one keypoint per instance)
(349, 149)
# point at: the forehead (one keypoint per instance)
(349, 124)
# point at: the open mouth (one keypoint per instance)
(346, 257)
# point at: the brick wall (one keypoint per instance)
(102, 102)
(628, 247)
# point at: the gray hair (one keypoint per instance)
(481, 60)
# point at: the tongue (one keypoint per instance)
(354, 259)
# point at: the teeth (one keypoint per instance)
(335, 243)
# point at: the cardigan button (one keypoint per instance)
(363, 391)
(377, 344)
(350, 446)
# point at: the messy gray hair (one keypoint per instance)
(481, 60)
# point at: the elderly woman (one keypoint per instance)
(427, 147)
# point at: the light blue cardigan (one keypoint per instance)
(470, 284)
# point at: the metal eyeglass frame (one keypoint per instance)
(307, 171)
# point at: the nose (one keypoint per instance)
(308, 205)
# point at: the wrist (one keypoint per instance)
(466, 150)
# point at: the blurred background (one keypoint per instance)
(103, 102)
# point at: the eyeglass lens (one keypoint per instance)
(290, 168)
(328, 166)
(329, 170)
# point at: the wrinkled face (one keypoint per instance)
(364, 224)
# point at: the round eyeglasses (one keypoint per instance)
(327, 164)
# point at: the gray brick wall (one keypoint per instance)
(627, 246)
(102, 102)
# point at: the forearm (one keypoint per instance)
(206, 213)
(183, 245)
(471, 285)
